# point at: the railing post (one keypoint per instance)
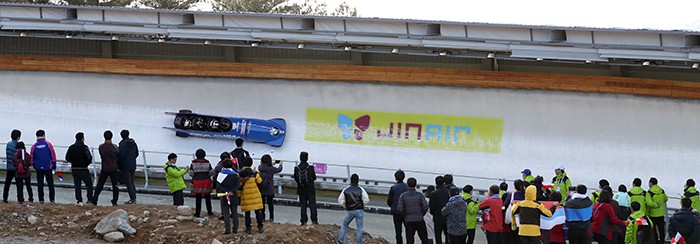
(347, 168)
(94, 167)
(145, 169)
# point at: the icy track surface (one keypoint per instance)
(595, 136)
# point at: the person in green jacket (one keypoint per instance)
(173, 175)
(601, 184)
(561, 182)
(638, 219)
(472, 208)
(658, 213)
(527, 176)
(689, 191)
(637, 194)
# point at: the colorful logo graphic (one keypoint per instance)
(424, 131)
(346, 126)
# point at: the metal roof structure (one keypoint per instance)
(671, 49)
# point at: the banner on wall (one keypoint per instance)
(425, 131)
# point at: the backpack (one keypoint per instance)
(20, 166)
(266, 180)
(303, 176)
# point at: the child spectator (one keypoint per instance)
(200, 170)
(641, 229)
(251, 200)
(22, 162)
(226, 188)
(173, 175)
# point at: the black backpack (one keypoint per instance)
(266, 180)
(303, 176)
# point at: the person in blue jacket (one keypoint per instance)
(44, 162)
(11, 170)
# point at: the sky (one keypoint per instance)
(640, 14)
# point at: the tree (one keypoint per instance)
(344, 9)
(108, 3)
(169, 4)
(309, 7)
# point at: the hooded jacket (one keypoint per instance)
(128, 152)
(472, 209)
(579, 210)
(659, 198)
(455, 212)
(22, 157)
(173, 175)
(43, 155)
(604, 218)
(561, 183)
(637, 194)
(694, 196)
(250, 195)
(529, 212)
(79, 156)
(631, 234)
(10, 153)
(685, 222)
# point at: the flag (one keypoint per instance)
(678, 239)
(642, 221)
(60, 176)
(558, 218)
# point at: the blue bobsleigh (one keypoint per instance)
(271, 132)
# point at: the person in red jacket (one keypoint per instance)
(493, 216)
(604, 218)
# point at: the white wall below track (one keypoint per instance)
(595, 136)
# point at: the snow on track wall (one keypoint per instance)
(612, 136)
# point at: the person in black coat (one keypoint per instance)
(393, 201)
(304, 176)
(79, 156)
(239, 154)
(128, 152)
(685, 222)
(438, 200)
(226, 188)
(267, 188)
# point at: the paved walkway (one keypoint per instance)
(377, 225)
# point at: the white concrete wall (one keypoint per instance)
(594, 136)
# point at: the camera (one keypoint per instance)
(572, 188)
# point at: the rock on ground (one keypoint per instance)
(32, 219)
(184, 210)
(114, 236)
(116, 221)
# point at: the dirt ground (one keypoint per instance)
(60, 223)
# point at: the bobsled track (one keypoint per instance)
(594, 136)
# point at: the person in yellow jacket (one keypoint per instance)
(658, 213)
(689, 191)
(528, 212)
(640, 230)
(251, 200)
